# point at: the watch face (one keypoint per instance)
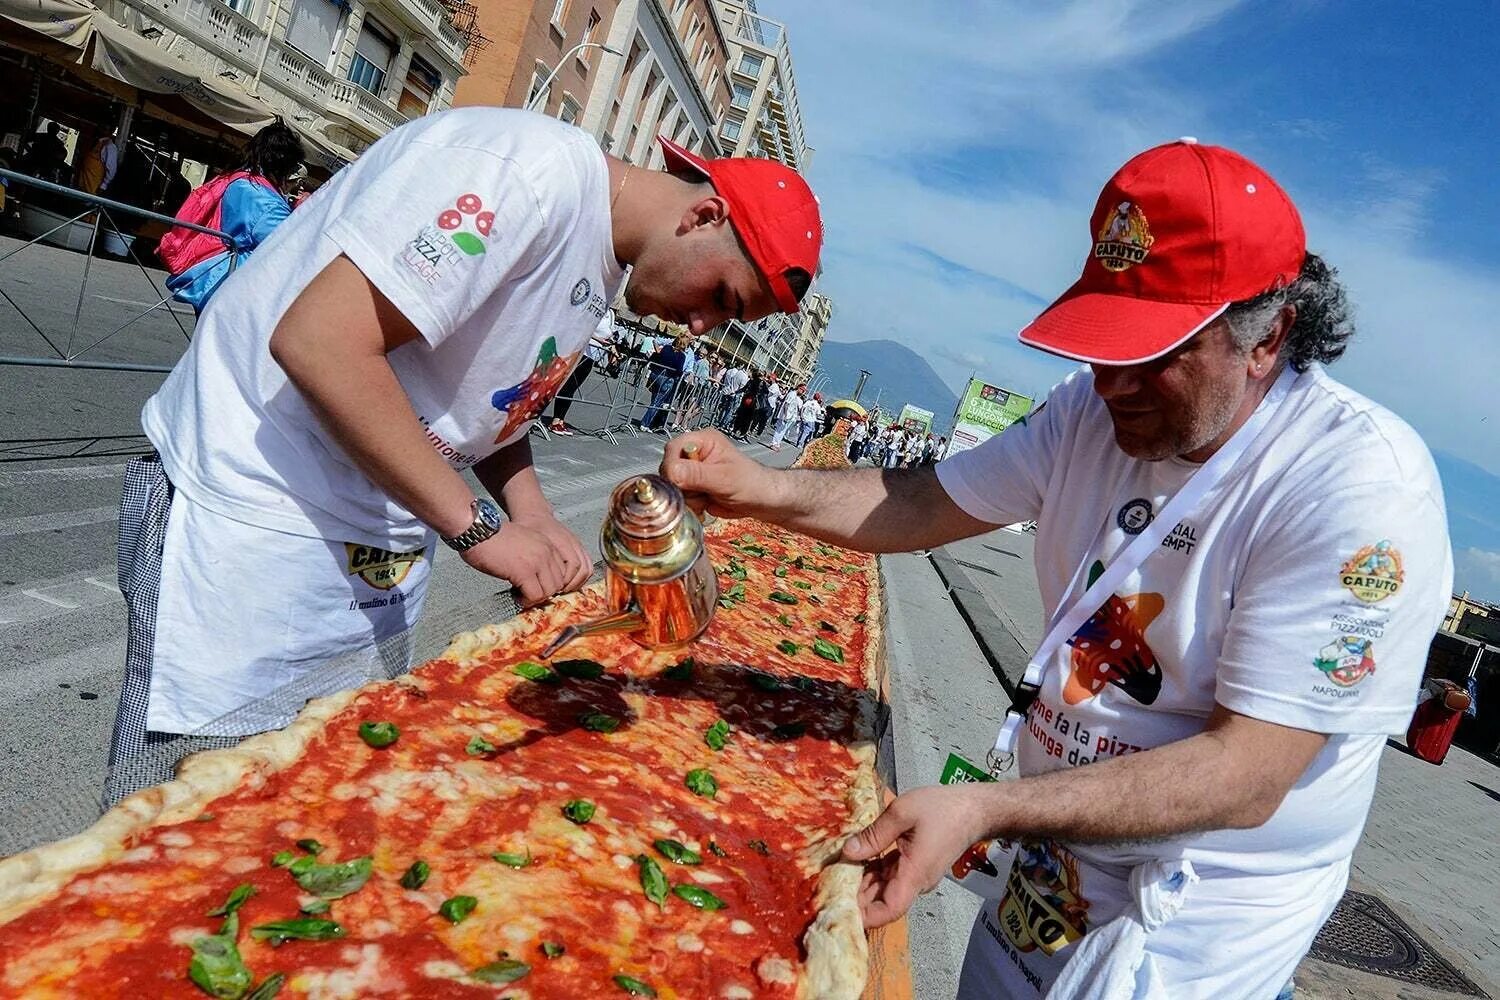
(489, 514)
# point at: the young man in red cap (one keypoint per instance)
(1243, 563)
(409, 322)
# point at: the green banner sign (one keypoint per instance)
(958, 771)
(984, 411)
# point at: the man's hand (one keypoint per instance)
(525, 556)
(576, 560)
(929, 828)
(716, 476)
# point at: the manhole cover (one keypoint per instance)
(1365, 934)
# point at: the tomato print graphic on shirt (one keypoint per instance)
(1111, 648)
(525, 401)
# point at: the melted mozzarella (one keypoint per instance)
(690, 943)
(775, 970)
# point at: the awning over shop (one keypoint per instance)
(86, 36)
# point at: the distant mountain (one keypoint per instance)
(897, 374)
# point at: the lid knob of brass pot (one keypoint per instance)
(649, 535)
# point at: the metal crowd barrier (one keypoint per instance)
(99, 214)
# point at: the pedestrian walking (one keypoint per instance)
(765, 405)
(895, 446)
(788, 415)
(744, 414)
(1243, 563)
(735, 380)
(666, 371)
(811, 415)
(856, 439)
(596, 352)
(246, 204)
(405, 325)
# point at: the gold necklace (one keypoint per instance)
(624, 179)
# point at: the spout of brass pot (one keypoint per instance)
(629, 620)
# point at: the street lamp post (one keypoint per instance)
(541, 93)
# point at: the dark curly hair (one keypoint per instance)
(1324, 320)
(274, 152)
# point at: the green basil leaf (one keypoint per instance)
(701, 898)
(789, 731)
(479, 746)
(680, 671)
(782, 597)
(278, 932)
(513, 860)
(759, 847)
(823, 550)
(788, 647)
(313, 907)
(717, 735)
(332, 881)
(217, 967)
(579, 811)
(378, 734)
(310, 846)
(828, 650)
(598, 722)
(814, 599)
(552, 949)
(507, 970)
(716, 850)
(764, 681)
(779, 571)
(416, 875)
(653, 881)
(582, 670)
(533, 671)
(456, 908)
(802, 585)
(860, 618)
(828, 627)
(751, 549)
(633, 986)
(784, 619)
(737, 569)
(676, 853)
(282, 858)
(830, 586)
(302, 865)
(236, 899)
(701, 782)
(268, 989)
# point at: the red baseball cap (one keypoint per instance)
(1179, 233)
(773, 211)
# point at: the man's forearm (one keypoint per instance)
(873, 510)
(511, 479)
(361, 403)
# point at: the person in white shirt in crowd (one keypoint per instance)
(810, 417)
(773, 394)
(735, 380)
(596, 352)
(895, 446)
(916, 446)
(1198, 734)
(858, 432)
(788, 415)
(408, 323)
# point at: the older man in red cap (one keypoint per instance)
(1242, 563)
(409, 322)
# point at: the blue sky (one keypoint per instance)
(960, 148)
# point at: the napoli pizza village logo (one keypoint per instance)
(1111, 648)
(1043, 906)
(379, 568)
(527, 399)
(1374, 573)
(1134, 516)
(1125, 238)
(1347, 660)
(457, 234)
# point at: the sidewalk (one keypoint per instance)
(1429, 854)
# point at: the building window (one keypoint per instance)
(313, 27)
(731, 131)
(742, 95)
(538, 77)
(422, 85)
(750, 64)
(372, 56)
(589, 34)
(559, 15)
(713, 82)
(241, 7)
(569, 110)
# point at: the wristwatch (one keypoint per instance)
(486, 524)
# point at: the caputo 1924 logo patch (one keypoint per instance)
(379, 568)
(1374, 573)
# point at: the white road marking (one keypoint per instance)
(102, 584)
(55, 602)
(21, 477)
(31, 523)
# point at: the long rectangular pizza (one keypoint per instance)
(613, 822)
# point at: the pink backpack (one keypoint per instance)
(182, 248)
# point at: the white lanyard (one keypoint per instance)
(1067, 619)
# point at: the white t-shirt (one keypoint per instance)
(734, 380)
(812, 411)
(791, 406)
(1304, 591)
(489, 229)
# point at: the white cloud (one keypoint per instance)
(1477, 571)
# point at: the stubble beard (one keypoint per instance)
(1181, 432)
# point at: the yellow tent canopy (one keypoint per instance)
(848, 404)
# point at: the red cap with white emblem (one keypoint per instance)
(773, 211)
